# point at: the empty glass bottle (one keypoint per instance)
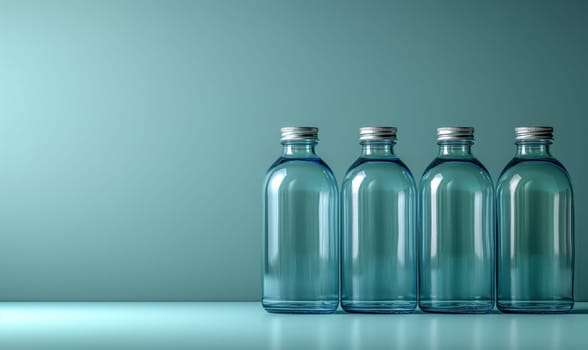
(378, 197)
(301, 251)
(535, 228)
(456, 272)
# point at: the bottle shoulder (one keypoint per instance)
(303, 172)
(540, 173)
(310, 163)
(456, 169)
(549, 165)
(385, 169)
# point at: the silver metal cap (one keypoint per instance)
(377, 133)
(458, 133)
(534, 133)
(293, 133)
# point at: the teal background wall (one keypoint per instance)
(134, 135)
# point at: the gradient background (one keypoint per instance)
(134, 135)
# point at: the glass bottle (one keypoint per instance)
(456, 273)
(378, 198)
(301, 251)
(535, 228)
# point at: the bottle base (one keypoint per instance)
(535, 306)
(300, 306)
(457, 306)
(379, 307)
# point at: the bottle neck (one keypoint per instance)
(455, 149)
(375, 149)
(533, 149)
(299, 149)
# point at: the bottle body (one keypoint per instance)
(457, 263)
(378, 256)
(535, 234)
(301, 240)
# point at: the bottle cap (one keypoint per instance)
(534, 133)
(377, 133)
(293, 133)
(459, 133)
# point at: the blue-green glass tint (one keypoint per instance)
(535, 232)
(456, 273)
(301, 251)
(378, 262)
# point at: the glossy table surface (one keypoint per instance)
(245, 325)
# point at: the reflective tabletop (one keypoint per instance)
(245, 325)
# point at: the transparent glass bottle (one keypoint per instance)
(378, 199)
(456, 273)
(535, 228)
(301, 247)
